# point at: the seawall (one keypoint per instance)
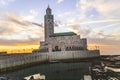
(73, 54)
(14, 62)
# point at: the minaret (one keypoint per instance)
(48, 23)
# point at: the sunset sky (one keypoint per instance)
(21, 23)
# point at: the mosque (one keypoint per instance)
(66, 45)
(59, 41)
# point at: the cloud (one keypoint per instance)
(83, 31)
(90, 14)
(88, 22)
(5, 2)
(95, 19)
(31, 15)
(103, 7)
(41, 25)
(59, 1)
(16, 29)
(106, 46)
(67, 13)
(103, 41)
(86, 31)
(57, 23)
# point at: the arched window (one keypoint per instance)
(53, 50)
(79, 48)
(67, 48)
(60, 49)
(56, 48)
(70, 48)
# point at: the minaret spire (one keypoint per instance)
(49, 23)
(48, 10)
(48, 6)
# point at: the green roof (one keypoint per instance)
(63, 34)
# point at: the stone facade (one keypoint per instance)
(49, 24)
(59, 41)
(63, 43)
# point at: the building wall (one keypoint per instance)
(84, 43)
(66, 42)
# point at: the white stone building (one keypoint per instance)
(59, 41)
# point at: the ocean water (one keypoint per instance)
(54, 71)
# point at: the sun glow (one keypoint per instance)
(27, 48)
(20, 48)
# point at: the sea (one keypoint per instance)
(54, 71)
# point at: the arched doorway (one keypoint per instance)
(56, 48)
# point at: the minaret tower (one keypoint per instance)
(48, 23)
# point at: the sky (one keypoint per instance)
(21, 23)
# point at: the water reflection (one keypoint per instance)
(57, 71)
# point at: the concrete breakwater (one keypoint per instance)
(10, 62)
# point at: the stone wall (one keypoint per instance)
(18, 60)
(73, 54)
